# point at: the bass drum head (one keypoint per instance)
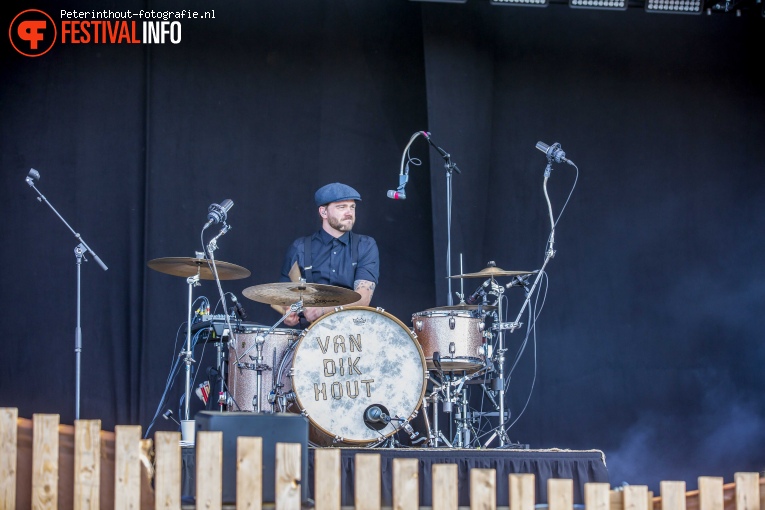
(352, 359)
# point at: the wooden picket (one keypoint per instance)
(8, 453)
(167, 468)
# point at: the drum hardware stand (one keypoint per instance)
(260, 339)
(79, 252)
(191, 281)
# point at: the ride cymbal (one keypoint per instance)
(188, 266)
(312, 294)
(492, 271)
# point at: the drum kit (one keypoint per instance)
(359, 374)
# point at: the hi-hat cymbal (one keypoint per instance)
(312, 294)
(187, 266)
(491, 271)
(463, 306)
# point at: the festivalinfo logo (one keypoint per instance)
(33, 32)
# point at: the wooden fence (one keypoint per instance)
(142, 479)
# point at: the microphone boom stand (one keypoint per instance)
(79, 252)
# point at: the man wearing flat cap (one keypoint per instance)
(334, 255)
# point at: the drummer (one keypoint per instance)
(335, 255)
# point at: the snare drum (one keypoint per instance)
(242, 368)
(457, 335)
(347, 362)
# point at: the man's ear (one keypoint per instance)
(323, 211)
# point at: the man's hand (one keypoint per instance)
(313, 313)
(292, 320)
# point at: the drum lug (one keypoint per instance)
(379, 309)
(418, 325)
(481, 326)
(452, 322)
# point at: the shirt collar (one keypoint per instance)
(326, 238)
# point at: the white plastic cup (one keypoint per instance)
(187, 431)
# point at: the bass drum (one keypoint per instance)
(348, 362)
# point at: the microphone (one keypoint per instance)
(32, 175)
(217, 213)
(376, 415)
(399, 193)
(239, 308)
(480, 291)
(553, 152)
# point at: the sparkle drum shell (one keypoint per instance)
(456, 335)
(242, 375)
(347, 361)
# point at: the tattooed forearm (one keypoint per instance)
(364, 284)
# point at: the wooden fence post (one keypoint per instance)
(288, 476)
(167, 474)
(483, 489)
(209, 476)
(87, 464)
(406, 484)
(127, 467)
(672, 495)
(326, 482)
(635, 497)
(45, 461)
(560, 494)
(367, 484)
(445, 494)
(8, 454)
(249, 473)
(597, 496)
(747, 491)
(711, 493)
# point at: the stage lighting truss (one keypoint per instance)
(524, 3)
(606, 5)
(675, 6)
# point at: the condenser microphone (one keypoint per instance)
(217, 213)
(399, 193)
(239, 308)
(480, 291)
(553, 152)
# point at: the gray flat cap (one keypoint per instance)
(335, 192)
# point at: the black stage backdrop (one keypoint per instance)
(649, 345)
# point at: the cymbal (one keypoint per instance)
(463, 306)
(492, 271)
(187, 266)
(312, 294)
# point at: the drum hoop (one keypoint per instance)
(445, 313)
(409, 332)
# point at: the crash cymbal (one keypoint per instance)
(312, 294)
(187, 266)
(463, 306)
(492, 271)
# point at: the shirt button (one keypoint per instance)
(333, 270)
(334, 253)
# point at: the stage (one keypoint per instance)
(581, 466)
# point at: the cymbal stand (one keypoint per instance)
(79, 252)
(191, 281)
(260, 339)
(516, 324)
(499, 382)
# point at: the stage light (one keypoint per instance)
(675, 6)
(525, 3)
(608, 5)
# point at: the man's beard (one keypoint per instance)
(335, 223)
